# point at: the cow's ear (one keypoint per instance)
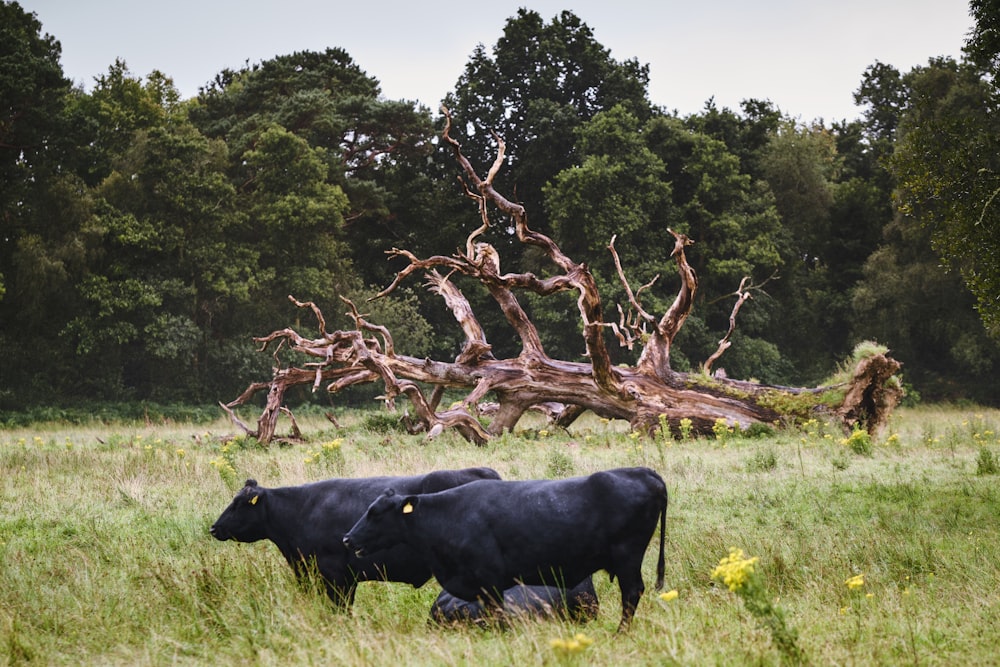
(251, 482)
(409, 505)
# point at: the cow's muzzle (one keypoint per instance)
(221, 534)
(355, 549)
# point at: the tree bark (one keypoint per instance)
(650, 395)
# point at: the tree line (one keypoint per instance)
(146, 238)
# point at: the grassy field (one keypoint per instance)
(106, 556)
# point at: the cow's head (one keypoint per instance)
(383, 524)
(243, 520)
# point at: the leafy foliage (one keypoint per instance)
(953, 116)
(145, 238)
(542, 81)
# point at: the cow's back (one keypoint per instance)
(336, 504)
(529, 529)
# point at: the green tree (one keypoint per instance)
(197, 240)
(32, 97)
(906, 301)
(983, 45)
(905, 297)
(327, 101)
(635, 180)
(736, 227)
(41, 207)
(537, 85)
(884, 95)
(745, 134)
(165, 278)
(802, 167)
(619, 188)
(862, 203)
(295, 220)
(947, 164)
(542, 81)
(119, 105)
(326, 171)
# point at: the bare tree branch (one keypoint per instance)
(649, 396)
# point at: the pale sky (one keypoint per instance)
(805, 57)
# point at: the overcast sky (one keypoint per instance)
(806, 57)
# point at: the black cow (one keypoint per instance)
(308, 523)
(522, 601)
(486, 536)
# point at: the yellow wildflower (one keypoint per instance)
(734, 570)
(669, 595)
(578, 643)
(857, 581)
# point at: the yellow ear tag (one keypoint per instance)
(408, 508)
(253, 501)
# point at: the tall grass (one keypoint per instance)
(106, 556)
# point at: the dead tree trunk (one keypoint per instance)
(643, 395)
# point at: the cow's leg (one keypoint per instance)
(631, 585)
(448, 609)
(581, 601)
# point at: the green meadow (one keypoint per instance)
(862, 552)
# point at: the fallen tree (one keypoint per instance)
(649, 395)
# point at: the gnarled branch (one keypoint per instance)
(648, 395)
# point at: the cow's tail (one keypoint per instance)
(663, 533)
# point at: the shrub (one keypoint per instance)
(763, 461)
(859, 442)
(560, 464)
(986, 463)
(383, 423)
(758, 430)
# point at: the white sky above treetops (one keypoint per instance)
(805, 57)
